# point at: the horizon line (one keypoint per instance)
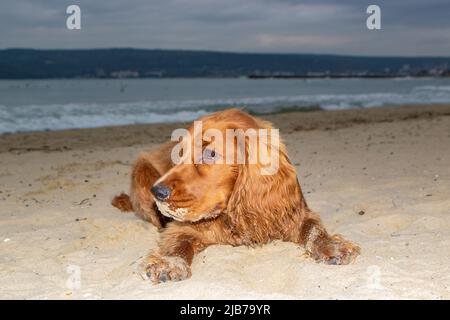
(225, 52)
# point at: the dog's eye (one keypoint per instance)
(209, 156)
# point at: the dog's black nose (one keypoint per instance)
(160, 191)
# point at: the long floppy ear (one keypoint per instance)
(262, 205)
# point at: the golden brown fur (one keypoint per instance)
(225, 204)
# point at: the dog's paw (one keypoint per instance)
(164, 268)
(337, 251)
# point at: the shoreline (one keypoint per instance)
(137, 134)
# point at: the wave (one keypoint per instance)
(433, 88)
(59, 121)
(88, 115)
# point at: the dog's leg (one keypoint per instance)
(176, 251)
(140, 200)
(324, 248)
(143, 177)
(148, 168)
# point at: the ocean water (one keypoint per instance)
(35, 105)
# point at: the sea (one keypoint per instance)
(38, 105)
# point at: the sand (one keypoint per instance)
(380, 177)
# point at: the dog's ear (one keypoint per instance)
(263, 202)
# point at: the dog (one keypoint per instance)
(196, 204)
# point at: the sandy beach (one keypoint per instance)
(380, 177)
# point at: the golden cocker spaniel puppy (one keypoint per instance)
(213, 200)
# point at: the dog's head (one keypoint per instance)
(227, 162)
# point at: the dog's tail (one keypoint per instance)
(122, 202)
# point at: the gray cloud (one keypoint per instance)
(409, 27)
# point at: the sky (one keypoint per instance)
(408, 27)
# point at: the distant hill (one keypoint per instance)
(129, 63)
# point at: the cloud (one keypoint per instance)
(409, 27)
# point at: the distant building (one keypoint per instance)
(124, 74)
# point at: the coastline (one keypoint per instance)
(138, 134)
(378, 176)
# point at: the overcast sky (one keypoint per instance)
(409, 27)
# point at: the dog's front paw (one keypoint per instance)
(337, 251)
(164, 268)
